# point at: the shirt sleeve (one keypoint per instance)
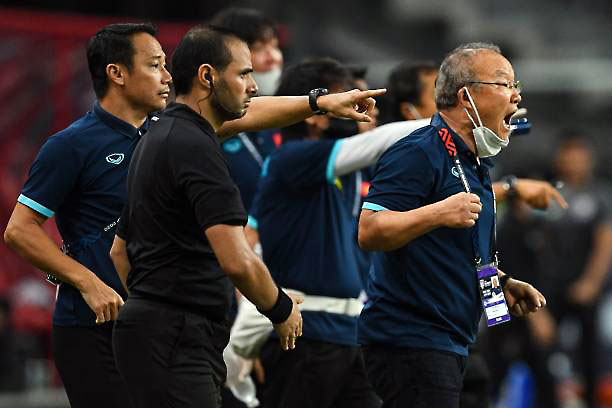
(402, 180)
(52, 177)
(201, 173)
(307, 163)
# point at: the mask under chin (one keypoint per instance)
(340, 128)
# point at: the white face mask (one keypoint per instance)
(267, 82)
(487, 142)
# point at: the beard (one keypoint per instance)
(220, 101)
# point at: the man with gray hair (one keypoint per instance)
(430, 214)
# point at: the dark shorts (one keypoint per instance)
(315, 375)
(169, 357)
(84, 360)
(416, 378)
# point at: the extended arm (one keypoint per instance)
(269, 112)
(536, 193)
(24, 233)
(362, 150)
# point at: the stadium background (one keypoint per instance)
(560, 50)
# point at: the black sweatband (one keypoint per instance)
(503, 280)
(281, 309)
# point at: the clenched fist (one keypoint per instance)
(460, 210)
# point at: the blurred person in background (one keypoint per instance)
(246, 152)
(304, 216)
(423, 309)
(523, 241)
(79, 176)
(410, 92)
(580, 252)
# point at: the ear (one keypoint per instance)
(115, 74)
(462, 98)
(206, 76)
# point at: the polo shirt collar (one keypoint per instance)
(119, 125)
(183, 111)
(462, 149)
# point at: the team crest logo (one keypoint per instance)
(455, 172)
(115, 158)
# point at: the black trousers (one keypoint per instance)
(84, 360)
(315, 375)
(416, 378)
(169, 357)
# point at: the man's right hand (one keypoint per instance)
(460, 210)
(291, 329)
(102, 299)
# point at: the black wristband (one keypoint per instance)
(281, 309)
(312, 100)
(504, 280)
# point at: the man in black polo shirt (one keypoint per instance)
(183, 231)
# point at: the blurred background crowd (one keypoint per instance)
(560, 51)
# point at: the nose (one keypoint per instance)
(516, 96)
(252, 87)
(166, 76)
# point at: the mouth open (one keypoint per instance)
(507, 120)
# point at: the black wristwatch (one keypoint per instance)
(312, 100)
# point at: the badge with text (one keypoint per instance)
(492, 295)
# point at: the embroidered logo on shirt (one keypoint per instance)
(455, 172)
(115, 158)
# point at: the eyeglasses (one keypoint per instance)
(510, 85)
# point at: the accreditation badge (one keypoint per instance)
(492, 295)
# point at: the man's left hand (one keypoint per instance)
(357, 105)
(537, 193)
(522, 298)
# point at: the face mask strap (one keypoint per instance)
(473, 107)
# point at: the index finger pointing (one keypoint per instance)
(370, 93)
(559, 198)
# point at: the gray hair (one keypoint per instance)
(456, 70)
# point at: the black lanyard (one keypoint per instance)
(447, 139)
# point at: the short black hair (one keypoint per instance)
(112, 45)
(248, 24)
(404, 85)
(203, 44)
(299, 79)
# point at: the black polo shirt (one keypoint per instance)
(178, 186)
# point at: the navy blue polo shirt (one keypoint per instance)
(79, 176)
(307, 232)
(245, 155)
(425, 294)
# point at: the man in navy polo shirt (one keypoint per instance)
(79, 176)
(424, 303)
(303, 211)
